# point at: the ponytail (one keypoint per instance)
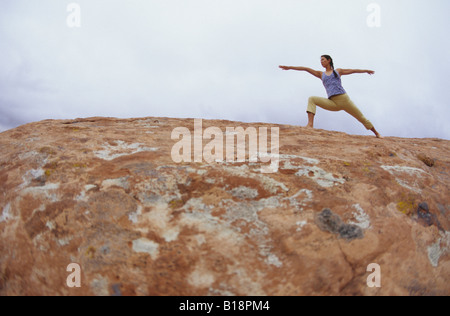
(334, 71)
(328, 57)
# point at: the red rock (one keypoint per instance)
(105, 193)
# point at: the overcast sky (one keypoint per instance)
(219, 59)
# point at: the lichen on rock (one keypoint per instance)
(330, 222)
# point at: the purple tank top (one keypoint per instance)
(332, 84)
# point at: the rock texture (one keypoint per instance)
(106, 194)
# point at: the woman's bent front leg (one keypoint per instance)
(326, 104)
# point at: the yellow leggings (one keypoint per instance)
(338, 103)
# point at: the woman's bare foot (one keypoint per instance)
(310, 120)
(376, 133)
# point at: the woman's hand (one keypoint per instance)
(343, 72)
(313, 72)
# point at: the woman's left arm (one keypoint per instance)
(343, 72)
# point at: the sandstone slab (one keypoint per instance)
(106, 194)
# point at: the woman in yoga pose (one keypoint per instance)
(337, 97)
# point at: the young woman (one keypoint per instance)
(337, 97)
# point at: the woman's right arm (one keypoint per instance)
(313, 72)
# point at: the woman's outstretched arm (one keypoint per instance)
(343, 72)
(313, 72)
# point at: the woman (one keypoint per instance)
(337, 97)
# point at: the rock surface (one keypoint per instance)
(106, 194)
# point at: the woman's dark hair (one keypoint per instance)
(328, 57)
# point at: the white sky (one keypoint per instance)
(219, 59)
